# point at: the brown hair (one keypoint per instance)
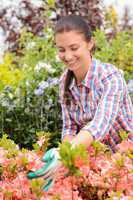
(72, 23)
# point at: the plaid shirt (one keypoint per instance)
(100, 104)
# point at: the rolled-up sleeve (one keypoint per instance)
(108, 106)
(69, 126)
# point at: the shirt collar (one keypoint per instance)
(88, 78)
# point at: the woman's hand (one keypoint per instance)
(50, 168)
(54, 164)
(68, 138)
(83, 137)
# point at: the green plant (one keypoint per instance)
(71, 156)
(30, 104)
(118, 50)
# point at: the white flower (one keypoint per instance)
(43, 84)
(30, 45)
(38, 3)
(50, 101)
(53, 15)
(108, 30)
(43, 65)
(48, 67)
(3, 46)
(57, 58)
(27, 83)
(38, 92)
(53, 81)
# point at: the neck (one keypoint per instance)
(80, 75)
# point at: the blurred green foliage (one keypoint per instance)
(29, 101)
(118, 50)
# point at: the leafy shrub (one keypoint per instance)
(118, 50)
(29, 98)
(91, 174)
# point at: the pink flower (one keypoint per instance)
(41, 141)
(125, 146)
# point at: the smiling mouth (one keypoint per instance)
(70, 64)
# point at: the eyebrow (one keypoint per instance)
(69, 46)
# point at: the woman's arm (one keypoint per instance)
(107, 108)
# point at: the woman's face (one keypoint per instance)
(74, 50)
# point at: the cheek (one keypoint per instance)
(61, 56)
(80, 53)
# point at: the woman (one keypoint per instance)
(93, 95)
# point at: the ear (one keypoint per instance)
(91, 44)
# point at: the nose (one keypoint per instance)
(68, 56)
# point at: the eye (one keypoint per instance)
(61, 50)
(74, 48)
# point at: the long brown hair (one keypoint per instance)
(72, 23)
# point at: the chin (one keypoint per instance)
(75, 69)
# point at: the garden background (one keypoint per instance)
(30, 68)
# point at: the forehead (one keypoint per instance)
(69, 38)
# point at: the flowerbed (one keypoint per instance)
(101, 176)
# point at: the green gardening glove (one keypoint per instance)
(48, 185)
(48, 171)
(47, 158)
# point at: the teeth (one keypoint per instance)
(71, 63)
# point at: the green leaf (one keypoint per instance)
(51, 3)
(69, 156)
(123, 135)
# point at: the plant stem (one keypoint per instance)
(72, 187)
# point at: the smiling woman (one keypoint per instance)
(74, 52)
(93, 95)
